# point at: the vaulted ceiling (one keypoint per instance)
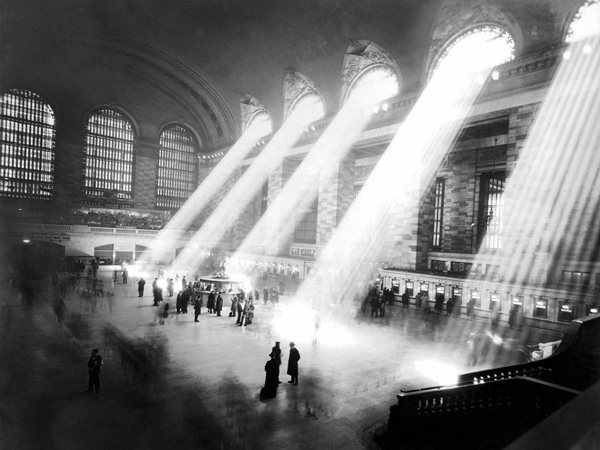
(193, 58)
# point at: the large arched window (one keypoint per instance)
(177, 175)
(586, 22)
(375, 84)
(27, 146)
(369, 74)
(260, 124)
(108, 163)
(476, 49)
(308, 108)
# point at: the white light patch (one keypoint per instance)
(442, 374)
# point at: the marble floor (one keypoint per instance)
(186, 385)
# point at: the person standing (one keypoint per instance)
(210, 304)
(125, 276)
(292, 369)
(141, 285)
(276, 351)
(94, 364)
(219, 305)
(271, 378)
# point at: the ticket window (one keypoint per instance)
(424, 289)
(395, 285)
(457, 295)
(476, 298)
(566, 312)
(540, 309)
(410, 288)
(440, 289)
(517, 301)
(494, 301)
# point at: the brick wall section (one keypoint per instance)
(336, 192)
(277, 180)
(459, 205)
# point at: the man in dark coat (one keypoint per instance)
(94, 364)
(271, 381)
(210, 304)
(277, 352)
(141, 285)
(292, 369)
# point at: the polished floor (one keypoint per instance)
(186, 385)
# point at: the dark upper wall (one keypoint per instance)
(235, 46)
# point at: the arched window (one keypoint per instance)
(177, 175)
(476, 49)
(27, 146)
(108, 160)
(260, 124)
(586, 22)
(301, 98)
(308, 108)
(369, 74)
(375, 84)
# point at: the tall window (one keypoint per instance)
(108, 163)
(177, 174)
(438, 211)
(260, 125)
(306, 228)
(375, 84)
(476, 49)
(491, 209)
(27, 146)
(308, 108)
(586, 22)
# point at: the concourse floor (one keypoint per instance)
(186, 385)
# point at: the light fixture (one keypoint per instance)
(495, 75)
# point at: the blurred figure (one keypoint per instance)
(94, 364)
(141, 285)
(197, 306)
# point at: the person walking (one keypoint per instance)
(94, 364)
(292, 369)
(141, 285)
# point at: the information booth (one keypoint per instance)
(227, 287)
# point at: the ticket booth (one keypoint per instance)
(456, 300)
(566, 312)
(494, 301)
(540, 309)
(395, 285)
(476, 297)
(410, 288)
(424, 289)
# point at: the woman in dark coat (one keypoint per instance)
(292, 369)
(219, 305)
(271, 381)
